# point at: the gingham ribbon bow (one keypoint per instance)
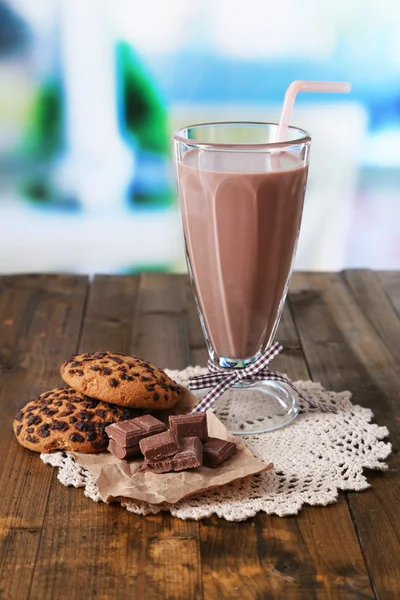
(220, 379)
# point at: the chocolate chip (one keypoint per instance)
(156, 396)
(46, 395)
(19, 416)
(47, 411)
(107, 371)
(123, 369)
(76, 437)
(114, 383)
(66, 413)
(101, 413)
(95, 368)
(76, 363)
(99, 354)
(165, 397)
(73, 420)
(32, 439)
(44, 430)
(126, 377)
(135, 373)
(79, 372)
(60, 426)
(92, 403)
(71, 372)
(18, 429)
(35, 420)
(59, 402)
(142, 378)
(84, 426)
(30, 429)
(150, 388)
(116, 360)
(91, 436)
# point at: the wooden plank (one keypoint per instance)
(315, 555)
(391, 285)
(171, 565)
(99, 551)
(368, 291)
(40, 318)
(344, 351)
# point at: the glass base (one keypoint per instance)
(257, 407)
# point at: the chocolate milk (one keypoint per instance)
(241, 218)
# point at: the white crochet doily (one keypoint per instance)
(314, 457)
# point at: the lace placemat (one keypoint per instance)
(314, 457)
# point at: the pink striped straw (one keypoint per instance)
(328, 87)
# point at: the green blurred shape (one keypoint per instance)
(45, 131)
(144, 113)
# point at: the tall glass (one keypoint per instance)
(241, 198)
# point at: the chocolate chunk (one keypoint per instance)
(35, 420)
(44, 430)
(73, 420)
(29, 429)
(83, 426)
(95, 368)
(123, 369)
(46, 395)
(32, 439)
(189, 425)
(121, 451)
(91, 436)
(128, 433)
(59, 402)
(156, 396)
(76, 437)
(107, 371)
(66, 413)
(91, 403)
(216, 451)
(189, 457)
(79, 372)
(116, 360)
(71, 372)
(60, 426)
(76, 363)
(114, 383)
(126, 377)
(160, 446)
(47, 411)
(99, 354)
(85, 415)
(143, 378)
(19, 416)
(150, 388)
(18, 429)
(101, 413)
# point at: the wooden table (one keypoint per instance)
(340, 329)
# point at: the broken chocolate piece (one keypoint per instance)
(192, 425)
(189, 457)
(216, 452)
(129, 433)
(160, 446)
(121, 451)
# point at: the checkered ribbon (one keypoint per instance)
(220, 379)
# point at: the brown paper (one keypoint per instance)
(116, 478)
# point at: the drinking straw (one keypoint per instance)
(294, 88)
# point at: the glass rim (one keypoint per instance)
(303, 139)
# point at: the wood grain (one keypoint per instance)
(315, 555)
(391, 285)
(344, 351)
(40, 322)
(100, 551)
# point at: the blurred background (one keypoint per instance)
(92, 89)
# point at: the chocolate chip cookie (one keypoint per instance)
(119, 379)
(63, 419)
